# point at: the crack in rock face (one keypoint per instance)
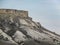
(17, 28)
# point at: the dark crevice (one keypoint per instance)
(25, 33)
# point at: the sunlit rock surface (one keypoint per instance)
(17, 28)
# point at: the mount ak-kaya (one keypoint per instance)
(17, 28)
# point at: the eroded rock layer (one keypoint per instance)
(17, 28)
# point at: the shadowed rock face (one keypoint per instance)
(6, 43)
(32, 42)
(17, 30)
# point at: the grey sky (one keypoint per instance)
(47, 12)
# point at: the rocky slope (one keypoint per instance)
(22, 30)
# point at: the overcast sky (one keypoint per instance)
(47, 12)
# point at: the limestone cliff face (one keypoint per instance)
(17, 28)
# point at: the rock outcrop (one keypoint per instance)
(17, 28)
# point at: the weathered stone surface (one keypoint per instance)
(16, 28)
(20, 13)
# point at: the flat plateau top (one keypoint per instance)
(14, 12)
